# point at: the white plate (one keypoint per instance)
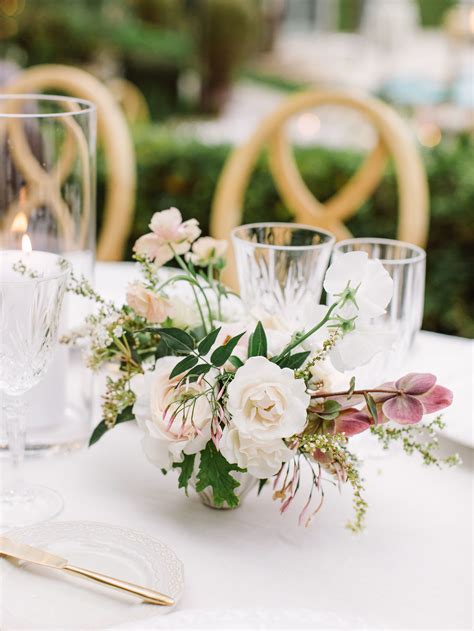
(35, 597)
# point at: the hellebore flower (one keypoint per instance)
(413, 396)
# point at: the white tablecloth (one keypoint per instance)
(252, 568)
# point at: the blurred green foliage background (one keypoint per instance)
(176, 172)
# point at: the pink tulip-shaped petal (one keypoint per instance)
(351, 422)
(416, 382)
(403, 409)
(436, 399)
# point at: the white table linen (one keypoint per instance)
(252, 568)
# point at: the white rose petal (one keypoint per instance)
(266, 401)
(157, 399)
(262, 459)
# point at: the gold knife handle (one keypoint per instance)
(148, 595)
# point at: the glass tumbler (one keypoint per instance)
(281, 268)
(406, 264)
(47, 193)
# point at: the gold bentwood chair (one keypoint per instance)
(394, 139)
(116, 141)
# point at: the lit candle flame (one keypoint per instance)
(26, 244)
(20, 223)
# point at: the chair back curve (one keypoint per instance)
(115, 138)
(394, 140)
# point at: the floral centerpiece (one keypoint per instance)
(230, 399)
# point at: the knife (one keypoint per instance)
(42, 557)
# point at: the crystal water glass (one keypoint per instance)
(47, 192)
(30, 307)
(406, 264)
(281, 268)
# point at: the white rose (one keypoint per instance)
(266, 401)
(185, 312)
(157, 399)
(261, 458)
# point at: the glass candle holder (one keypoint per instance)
(406, 264)
(281, 268)
(47, 192)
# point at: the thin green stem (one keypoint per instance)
(185, 268)
(299, 339)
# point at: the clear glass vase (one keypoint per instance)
(281, 268)
(47, 191)
(246, 481)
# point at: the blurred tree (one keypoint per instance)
(226, 31)
(149, 42)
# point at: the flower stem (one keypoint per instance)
(326, 395)
(193, 282)
(298, 340)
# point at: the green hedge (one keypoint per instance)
(176, 172)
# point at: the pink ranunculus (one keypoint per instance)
(169, 235)
(148, 245)
(414, 395)
(148, 304)
(169, 227)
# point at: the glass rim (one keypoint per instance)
(67, 268)
(88, 108)
(282, 224)
(420, 253)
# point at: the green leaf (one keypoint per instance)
(125, 415)
(185, 364)
(258, 342)
(331, 410)
(187, 467)
(214, 471)
(236, 361)
(293, 361)
(261, 484)
(200, 369)
(371, 407)
(162, 349)
(177, 339)
(352, 385)
(222, 354)
(206, 344)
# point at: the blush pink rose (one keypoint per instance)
(151, 306)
